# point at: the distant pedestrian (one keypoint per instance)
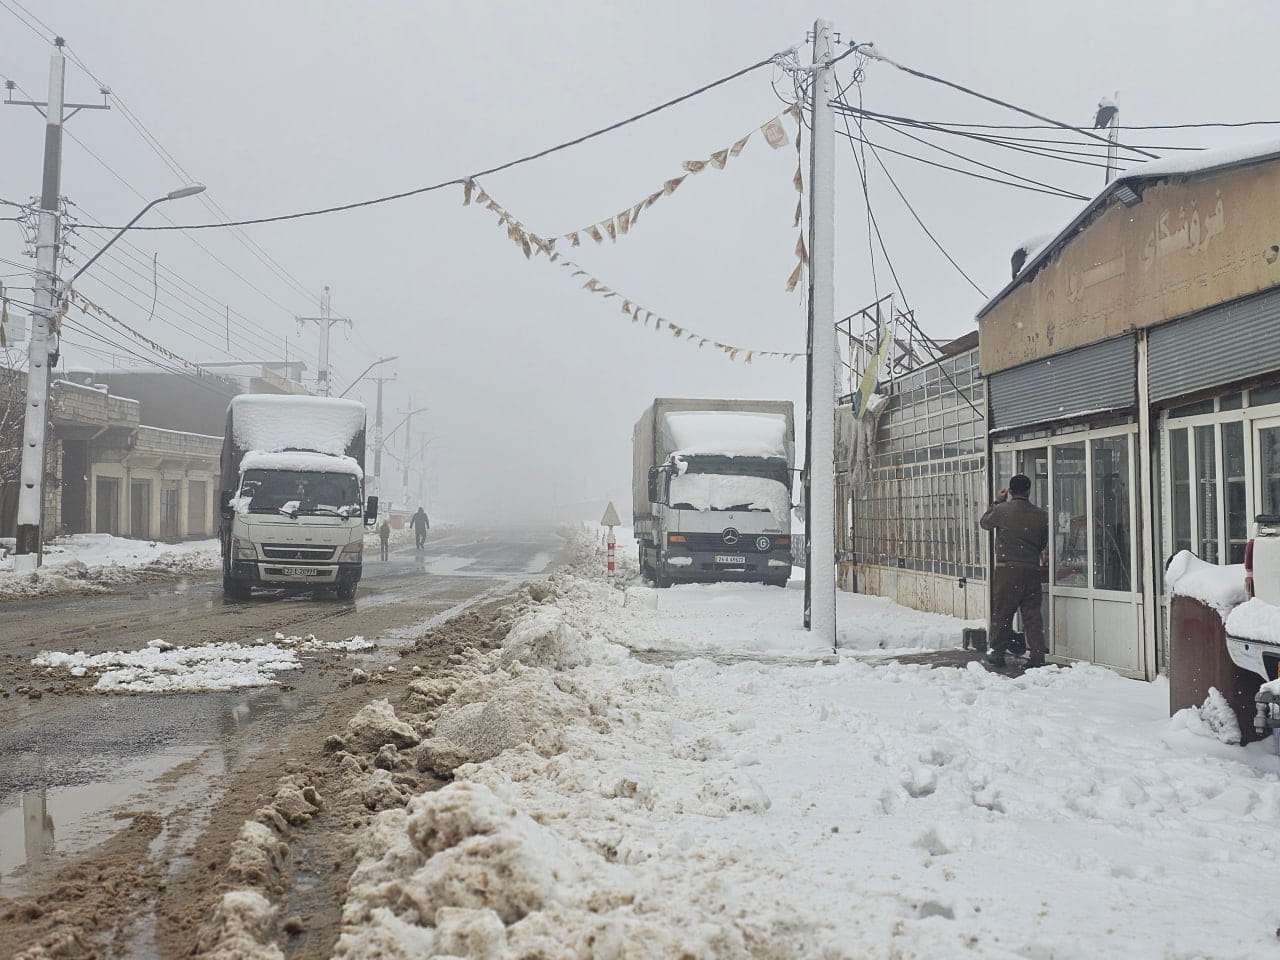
(384, 534)
(420, 527)
(1022, 534)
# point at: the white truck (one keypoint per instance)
(293, 511)
(711, 490)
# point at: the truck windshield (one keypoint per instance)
(768, 468)
(300, 492)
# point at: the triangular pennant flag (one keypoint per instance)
(670, 186)
(675, 331)
(482, 199)
(793, 111)
(493, 205)
(775, 134)
(653, 198)
(794, 279)
(574, 239)
(635, 212)
(578, 273)
(513, 232)
(611, 229)
(593, 285)
(733, 353)
(798, 181)
(524, 243)
(610, 293)
(799, 210)
(694, 166)
(720, 158)
(626, 306)
(737, 147)
(801, 252)
(467, 187)
(747, 358)
(624, 221)
(594, 233)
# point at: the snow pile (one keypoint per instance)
(750, 806)
(709, 491)
(281, 422)
(92, 562)
(1213, 718)
(162, 667)
(726, 432)
(1220, 587)
(1255, 620)
(46, 581)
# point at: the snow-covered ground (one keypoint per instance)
(91, 562)
(763, 800)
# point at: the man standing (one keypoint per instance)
(1022, 534)
(384, 534)
(420, 527)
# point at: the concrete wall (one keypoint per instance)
(925, 591)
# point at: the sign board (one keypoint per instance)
(13, 328)
(610, 518)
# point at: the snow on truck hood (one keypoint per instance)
(729, 433)
(300, 460)
(269, 422)
(711, 491)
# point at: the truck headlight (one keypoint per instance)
(243, 550)
(352, 552)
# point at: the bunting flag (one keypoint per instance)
(774, 133)
(797, 181)
(85, 306)
(531, 245)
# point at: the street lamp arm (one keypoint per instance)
(387, 436)
(181, 192)
(363, 372)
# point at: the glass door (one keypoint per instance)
(1267, 445)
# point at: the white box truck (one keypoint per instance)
(293, 511)
(711, 490)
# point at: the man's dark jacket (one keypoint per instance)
(1022, 531)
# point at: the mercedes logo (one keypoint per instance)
(730, 536)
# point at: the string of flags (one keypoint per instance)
(774, 133)
(802, 253)
(85, 305)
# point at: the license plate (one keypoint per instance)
(724, 559)
(299, 571)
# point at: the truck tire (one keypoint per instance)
(346, 591)
(235, 589)
(661, 580)
(777, 582)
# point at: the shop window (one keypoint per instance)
(1207, 493)
(1269, 458)
(1232, 401)
(1111, 529)
(1070, 523)
(1262, 396)
(1181, 473)
(1235, 483)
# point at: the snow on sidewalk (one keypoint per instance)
(92, 562)
(617, 809)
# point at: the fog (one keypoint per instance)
(532, 383)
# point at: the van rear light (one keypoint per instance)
(1248, 569)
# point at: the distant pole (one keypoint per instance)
(820, 572)
(1113, 141)
(325, 322)
(286, 349)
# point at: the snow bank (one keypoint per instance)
(726, 432)
(728, 806)
(1255, 620)
(708, 491)
(279, 422)
(1220, 587)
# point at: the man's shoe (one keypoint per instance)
(996, 660)
(1034, 662)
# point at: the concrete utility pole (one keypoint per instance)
(42, 348)
(325, 323)
(820, 570)
(1108, 116)
(377, 423)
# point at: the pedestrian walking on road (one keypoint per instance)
(420, 527)
(384, 534)
(1022, 534)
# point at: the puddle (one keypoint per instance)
(62, 776)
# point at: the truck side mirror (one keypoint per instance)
(653, 484)
(226, 508)
(371, 511)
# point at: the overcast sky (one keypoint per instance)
(533, 384)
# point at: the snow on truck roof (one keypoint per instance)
(271, 422)
(727, 433)
(301, 460)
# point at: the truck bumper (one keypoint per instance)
(698, 566)
(270, 573)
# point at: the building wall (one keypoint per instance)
(1189, 244)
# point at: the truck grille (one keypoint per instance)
(746, 542)
(298, 553)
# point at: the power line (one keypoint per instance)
(458, 181)
(875, 54)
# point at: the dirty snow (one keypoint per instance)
(92, 562)
(765, 798)
(163, 667)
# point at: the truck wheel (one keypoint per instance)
(235, 589)
(778, 582)
(660, 579)
(346, 592)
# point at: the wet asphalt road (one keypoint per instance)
(67, 760)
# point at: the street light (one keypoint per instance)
(30, 529)
(363, 372)
(404, 421)
(188, 191)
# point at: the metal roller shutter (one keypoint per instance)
(1228, 342)
(1101, 376)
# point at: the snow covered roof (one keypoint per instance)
(1132, 182)
(273, 422)
(727, 433)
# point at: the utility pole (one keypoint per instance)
(820, 565)
(377, 431)
(1108, 116)
(42, 349)
(325, 323)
